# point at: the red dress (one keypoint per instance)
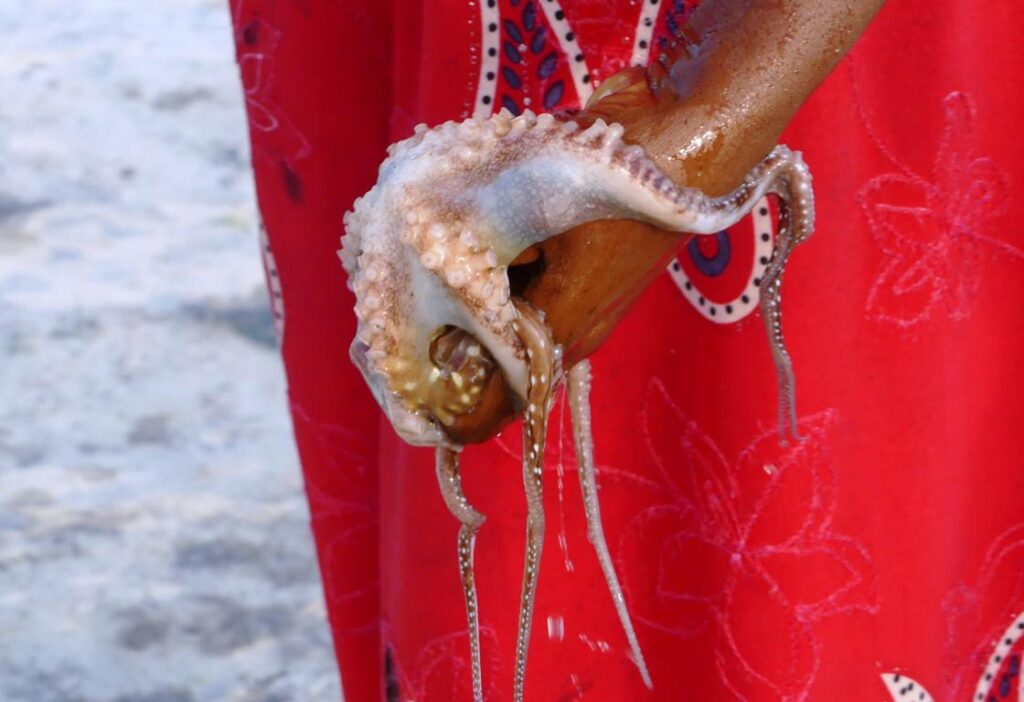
(882, 558)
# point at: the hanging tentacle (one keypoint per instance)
(796, 222)
(448, 478)
(543, 359)
(578, 381)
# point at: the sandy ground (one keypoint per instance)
(154, 540)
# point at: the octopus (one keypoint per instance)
(458, 329)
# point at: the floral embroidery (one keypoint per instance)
(441, 669)
(274, 135)
(342, 496)
(930, 229)
(726, 549)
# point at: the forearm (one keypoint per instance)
(707, 113)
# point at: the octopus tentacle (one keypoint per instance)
(579, 382)
(448, 478)
(544, 359)
(796, 223)
(773, 174)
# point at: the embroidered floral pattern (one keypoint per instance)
(727, 549)
(274, 135)
(441, 670)
(342, 496)
(931, 228)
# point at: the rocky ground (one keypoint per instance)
(154, 540)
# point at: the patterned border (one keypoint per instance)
(490, 15)
(570, 48)
(645, 33)
(995, 661)
(273, 282)
(733, 310)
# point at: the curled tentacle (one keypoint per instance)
(448, 478)
(796, 223)
(578, 382)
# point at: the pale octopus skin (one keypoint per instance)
(429, 246)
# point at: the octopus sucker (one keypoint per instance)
(796, 223)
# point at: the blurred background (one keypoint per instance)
(154, 539)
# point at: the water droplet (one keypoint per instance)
(556, 627)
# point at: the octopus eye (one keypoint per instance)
(465, 379)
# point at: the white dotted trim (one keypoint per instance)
(571, 49)
(995, 661)
(273, 282)
(737, 308)
(645, 32)
(489, 43)
(905, 689)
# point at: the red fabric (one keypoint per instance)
(890, 541)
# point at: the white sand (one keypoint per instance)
(154, 541)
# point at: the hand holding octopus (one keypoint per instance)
(453, 336)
